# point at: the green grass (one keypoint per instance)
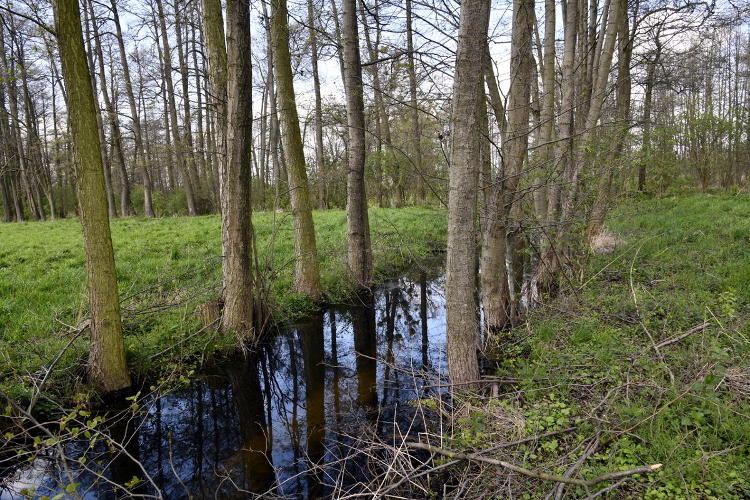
(165, 267)
(587, 353)
(685, 260)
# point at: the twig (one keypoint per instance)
(537, 475)
(693, 330)
(590, 450)
(642, 421)
(485, 380)
(487, 450)
(201, 330)
(607, 489)
(640, 317)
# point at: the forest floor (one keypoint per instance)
(646, 352)
(643, 358)
(165, 268)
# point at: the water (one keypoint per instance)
(258, 424)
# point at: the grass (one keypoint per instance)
(587, 359)
(165, 267)
(584, 359)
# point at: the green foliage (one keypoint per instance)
(587, 360)
(472, 431)
(548, 414)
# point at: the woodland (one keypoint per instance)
(374, 249)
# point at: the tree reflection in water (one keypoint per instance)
(259, 423)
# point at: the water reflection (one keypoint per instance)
(258, 424)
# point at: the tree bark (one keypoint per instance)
(114, 122)
(13, 209)
(465, 159)
(319, 149)
(622, 117)
(306, 273)
(499, 305)
(494, 275)
(234, 172)
(647, 107)
(548, 103)
(416, 133)
(107, 366)
(359, 253)
(187, 122)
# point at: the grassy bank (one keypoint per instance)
(587, 359)
(165, 268)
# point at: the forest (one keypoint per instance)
(465, 249)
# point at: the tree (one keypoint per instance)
(140, 153)
(650, 83)
(319, 148)
(306, 273)
(500, 307)
(234, 171)
(359, 252)
(182, 162)
(114, 121)
(414, 111)
(107, 366)
(461, 305)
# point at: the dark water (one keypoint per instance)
(258, 424)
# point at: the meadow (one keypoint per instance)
(165, 268)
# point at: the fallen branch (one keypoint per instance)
(586, 483)
(487, 450)
(695, 329)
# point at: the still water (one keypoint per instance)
(257, 425)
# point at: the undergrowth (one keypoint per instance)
(587, 359)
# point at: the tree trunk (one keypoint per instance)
(231, 72)
(100, 125)
(647, 107)
(187, 119)
(24, 175)
(502, 306)
(306, 273)
(319, 150)
(359, 253)
(494, 275)
(172, 107)
(205, 170)
(107, 366)
(548, 104)
(114, 122)
(416, 133)
(140, 154)
(13, 211)
(461, 303)
(623, 89)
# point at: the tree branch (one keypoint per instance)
(538, 475)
